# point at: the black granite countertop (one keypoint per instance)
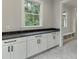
(24, 33)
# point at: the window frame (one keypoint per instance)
(65, 19)
(40, 14)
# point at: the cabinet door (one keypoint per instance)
(43, 42)
(56, 37)
(53, 39)
(6, 52)
(50, 40)
(19, 50)
(32, 46)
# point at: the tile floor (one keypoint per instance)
(68, 51)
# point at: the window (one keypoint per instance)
(31, 13)
(65, 19)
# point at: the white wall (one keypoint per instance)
(56, 9)
(11, 14)
(12, 20)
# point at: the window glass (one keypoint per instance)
(32, 13)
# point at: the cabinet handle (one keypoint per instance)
(10, 41)
(8, 48)
(12, 48)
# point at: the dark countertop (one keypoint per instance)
(17, 34)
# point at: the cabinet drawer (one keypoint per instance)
(13, 41)
(8, 42)
(32, 46)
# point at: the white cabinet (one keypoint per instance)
(14, 49)
(32, 46)
(43, 42)
(19, 50)
(50, 40)
(7, 49)
(56, 37)
(36, 44)
(46, 41)
(6, 52)
(53, 39)
(24, 47)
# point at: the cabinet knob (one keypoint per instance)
(12, 48)
(8, 48)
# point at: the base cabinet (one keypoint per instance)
(43, 43)
(50, 41)
(36, 44)
(20, 50)
(56, 38)
(53, 39)
(32, 46)
(13, 50)
(6, 52)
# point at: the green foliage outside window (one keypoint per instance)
(32, 10)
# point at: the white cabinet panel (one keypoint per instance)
(19, 50)
(50, 40)
(14, 48)
(32, 46)
(6, 52)
(36, 44)
(43, 43)
(53, 39)
(56, 38)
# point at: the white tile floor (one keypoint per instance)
(68, 51)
